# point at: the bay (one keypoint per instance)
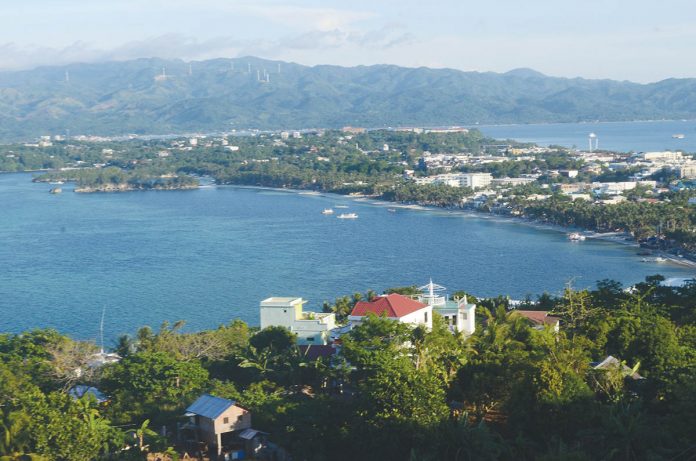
(646, 136)
(210, 255)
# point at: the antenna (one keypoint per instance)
(101, 329)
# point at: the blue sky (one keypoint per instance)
(635, 40)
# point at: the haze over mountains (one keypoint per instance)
(114, 98)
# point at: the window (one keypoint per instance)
(310, 338)
(225, 420)
(240, 418)
(426, 317)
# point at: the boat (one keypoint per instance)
(56, 182)
(678, 136)
(576, 237)
(341, 206)
(347, 216)
(56, 190)
(658, 259)
(327, 211)
(391, 210)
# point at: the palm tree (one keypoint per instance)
(142, 432)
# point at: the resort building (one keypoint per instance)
(459, 314)
(310, 327)
(396, 307)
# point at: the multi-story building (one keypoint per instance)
(310, 327)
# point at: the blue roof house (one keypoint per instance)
(216, 419)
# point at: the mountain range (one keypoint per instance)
(156, 96)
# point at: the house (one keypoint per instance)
(541, 319)
(458, 314)
(310, 327)
(394, 306)
(223, 426)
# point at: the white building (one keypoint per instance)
(459, 314)
(665, 155)
(472, 180)
(310, 327)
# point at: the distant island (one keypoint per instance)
(156, 96)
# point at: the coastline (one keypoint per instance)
(618, 238)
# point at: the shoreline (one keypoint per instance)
(610, 237)
(618, 238)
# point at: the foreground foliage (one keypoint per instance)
(508, 392)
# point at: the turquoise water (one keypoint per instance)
(617, 136)
(210, 255)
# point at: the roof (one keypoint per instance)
(539, 317)
(80, 390)
(611, 362)
(314, 351)
(209, 406)
(248, 434)
(393, 305)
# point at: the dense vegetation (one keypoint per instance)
(223, 94)
(393, 392)
(670, 220)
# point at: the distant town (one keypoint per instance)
(647, 197)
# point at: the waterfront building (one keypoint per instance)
(472, 180)
(287, 312)
(417, 310)
(396, 307)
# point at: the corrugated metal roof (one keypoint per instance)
(249, 434)
(209, 406)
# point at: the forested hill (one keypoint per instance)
(221, 94)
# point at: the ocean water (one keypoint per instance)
(210, 255)
(616, 136)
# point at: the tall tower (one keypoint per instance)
(594, 142)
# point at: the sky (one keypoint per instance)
(637, 40)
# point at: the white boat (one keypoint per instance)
(391, 210)
(341, 206)
(56, 190)
(56, 182)
(678, 136)
(347, 216)
(327, 211)
(576, 237)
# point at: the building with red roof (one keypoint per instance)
(394, 306)
(540, 319)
